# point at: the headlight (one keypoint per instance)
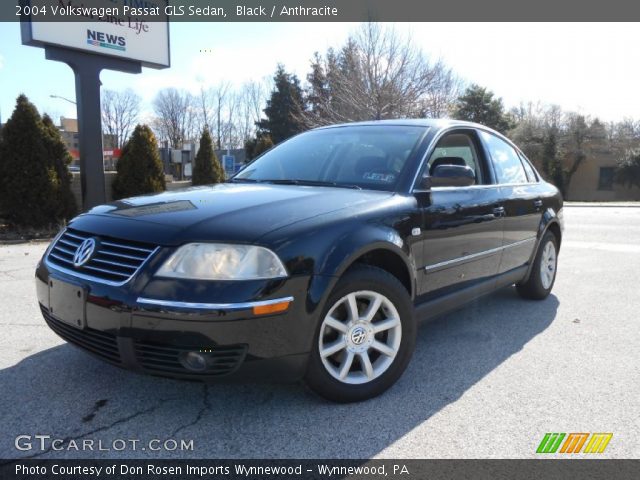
(219, 261)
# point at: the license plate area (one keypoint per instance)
(67, 302)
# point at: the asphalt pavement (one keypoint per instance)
(487, 381)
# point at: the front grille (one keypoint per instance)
(155, 357)
(113, 261)
(99, 343)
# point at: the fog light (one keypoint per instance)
(194, 361)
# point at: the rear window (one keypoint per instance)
(506, 161)
(531, 174)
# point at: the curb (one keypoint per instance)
(18, 241)
(604, 205)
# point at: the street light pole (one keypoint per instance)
(63, 98)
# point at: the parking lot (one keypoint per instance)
(487, 381)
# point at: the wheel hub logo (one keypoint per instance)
(574, 442)
(84, 252)
(358, 336)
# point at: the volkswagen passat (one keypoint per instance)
(313, 262)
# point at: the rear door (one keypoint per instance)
(462, 226)
(520, 194)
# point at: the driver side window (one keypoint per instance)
(456, 149)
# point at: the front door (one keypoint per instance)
(462, 226)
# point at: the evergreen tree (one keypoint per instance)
(318, 95)
(284, 108)
(30, 186)
(576, 148)
(207, 168)
(478, 104)
(257, 146)
(139, 169)
(549, 153)
(551, 164)
(59, 159)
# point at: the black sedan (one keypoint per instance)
(313, 262)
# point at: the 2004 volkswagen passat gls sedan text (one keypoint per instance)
(313, 262)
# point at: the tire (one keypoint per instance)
(342, 373)
(543, 272)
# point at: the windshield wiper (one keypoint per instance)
(242, 180)
(311, 183)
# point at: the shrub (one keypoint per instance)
(139, 168)
(59, 159)
(207, 168)
(34, 184)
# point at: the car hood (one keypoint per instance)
(224, 212)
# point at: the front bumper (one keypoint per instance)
(134, 327)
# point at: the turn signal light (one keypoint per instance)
(272, 308)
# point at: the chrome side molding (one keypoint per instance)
(485, 253)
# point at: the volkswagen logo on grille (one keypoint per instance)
(358, 335)
(84, 252)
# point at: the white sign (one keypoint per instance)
(115, 35)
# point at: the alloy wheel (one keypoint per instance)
(360, 337)
(548, 265)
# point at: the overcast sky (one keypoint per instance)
(590, 68)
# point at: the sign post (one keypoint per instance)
(86, 68)
(122, 44)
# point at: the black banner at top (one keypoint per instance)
(319, 10)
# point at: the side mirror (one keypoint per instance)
(452, 176)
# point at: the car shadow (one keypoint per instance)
(65, 393)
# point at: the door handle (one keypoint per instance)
(537, 204)
(498, 211)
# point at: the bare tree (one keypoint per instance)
(625, 135)
(176, 119)
(248, 102)
(377, 74)
(120, 113)
(559, 142)
(442, 93)
(230, 121)
(244, 123)
(583, 138)
(221, 95)
(256, 94)
(204, 109)
(231, 114)
(536, 131)
(213, 110)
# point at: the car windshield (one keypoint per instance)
(369, 157)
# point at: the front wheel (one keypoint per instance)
(365, 339)
(543, 271)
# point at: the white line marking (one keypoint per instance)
(608, 247)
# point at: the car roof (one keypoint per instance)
(437, 123)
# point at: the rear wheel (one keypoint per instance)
(543, 272)
(365, 339)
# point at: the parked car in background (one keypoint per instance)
(314, 262)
